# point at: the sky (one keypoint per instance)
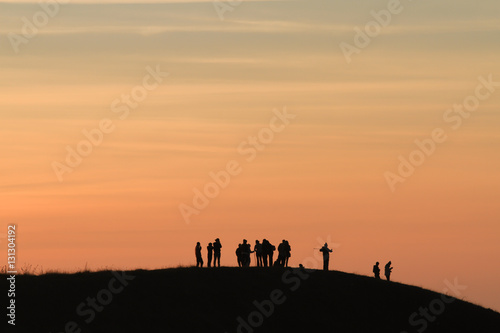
(316, 121)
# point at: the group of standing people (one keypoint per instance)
(213, 251)
(244, 250)
(387, 270)
(264, 253)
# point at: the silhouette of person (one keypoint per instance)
(376, 270)
(210, 250)
(388, 271)
(258, 253)
(245, 253)
(281, 253)
(288, 253)
(270, 253)
(197, 251)
(267, 252)
(238, 255)
(217, 247)
(326, 256)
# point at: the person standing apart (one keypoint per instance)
(388, 271)
(376, 270)
(197, 252)
(326, 256)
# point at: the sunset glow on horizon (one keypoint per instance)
(132, 131)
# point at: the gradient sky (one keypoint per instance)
(321, 178)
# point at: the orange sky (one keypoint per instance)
(320, 178)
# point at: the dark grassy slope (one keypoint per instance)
(211, 300)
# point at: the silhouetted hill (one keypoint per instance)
(219, 299)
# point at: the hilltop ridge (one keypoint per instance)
(229, 299)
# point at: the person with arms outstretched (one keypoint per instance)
(326, 256)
